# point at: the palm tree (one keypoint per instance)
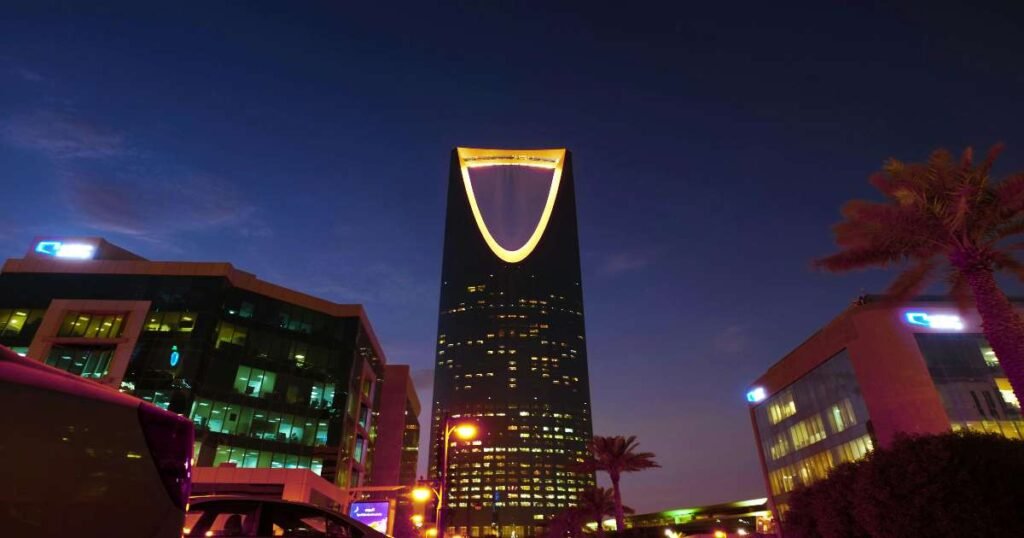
(616, 455)
(944, 216)
(596, 503)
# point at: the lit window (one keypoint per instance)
(807, 432)
(841, 416)
(781, 407)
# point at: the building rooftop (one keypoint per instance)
(95, 255)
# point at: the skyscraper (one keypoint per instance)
(511, 347)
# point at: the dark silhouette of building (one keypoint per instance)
(511, 348)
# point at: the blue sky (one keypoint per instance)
(309, 143)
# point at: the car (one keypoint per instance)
(82, 459)
(231, 515)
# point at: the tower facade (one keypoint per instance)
(511, 346)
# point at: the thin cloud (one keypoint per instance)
(62, 136)
(626, 261)
(111, 187)
(731, 340)
(148, 206)
(381, 283)
(29, 75)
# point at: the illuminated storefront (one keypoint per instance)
(876, 371)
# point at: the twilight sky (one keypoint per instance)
(308, 142)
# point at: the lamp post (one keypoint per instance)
(465, 431)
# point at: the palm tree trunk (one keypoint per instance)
(600, 526)
(620, 517)
(1001, 324)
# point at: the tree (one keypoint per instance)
(947, 485)
(596, 503)
(567, 524)
(616, 455)
(944, 215)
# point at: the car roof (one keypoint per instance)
(204, 499)
(25, 371)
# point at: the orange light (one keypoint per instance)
(720, 534)
(552, 159)
(421, 495)
(431, 532)
(465, 432)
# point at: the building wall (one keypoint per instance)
(511, 357)
(399, 406)
(271, 377)
(899, 377)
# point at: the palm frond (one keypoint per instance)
(911, 281)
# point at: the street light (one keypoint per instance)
(465, 431)
(422, 494)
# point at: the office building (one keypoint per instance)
(511, 347)
(396, 451)
(875, 371)
(398, 441)
(271, 377)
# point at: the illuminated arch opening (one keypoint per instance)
(546, 159)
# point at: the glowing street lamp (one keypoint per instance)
(465, 431)
(422, 494)
(417, 520)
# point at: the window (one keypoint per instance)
(1006, 392)
(804, 472)
(89, 362)
(855, 450)
(165, 322)
(234, 419)
(86, 325)
(781, 407)
(778, 447)
(230, 334)
(989, 356)
(321, 433)
(13, 321)
(254, 382)
(357, 454)
(841, 416)
(322, 395)
(807, 432)
(158, 398)
(246, 310)
(253, 458)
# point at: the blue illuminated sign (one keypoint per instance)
(174, 356)
(756, 394)
(935, 321)
(60, 249)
